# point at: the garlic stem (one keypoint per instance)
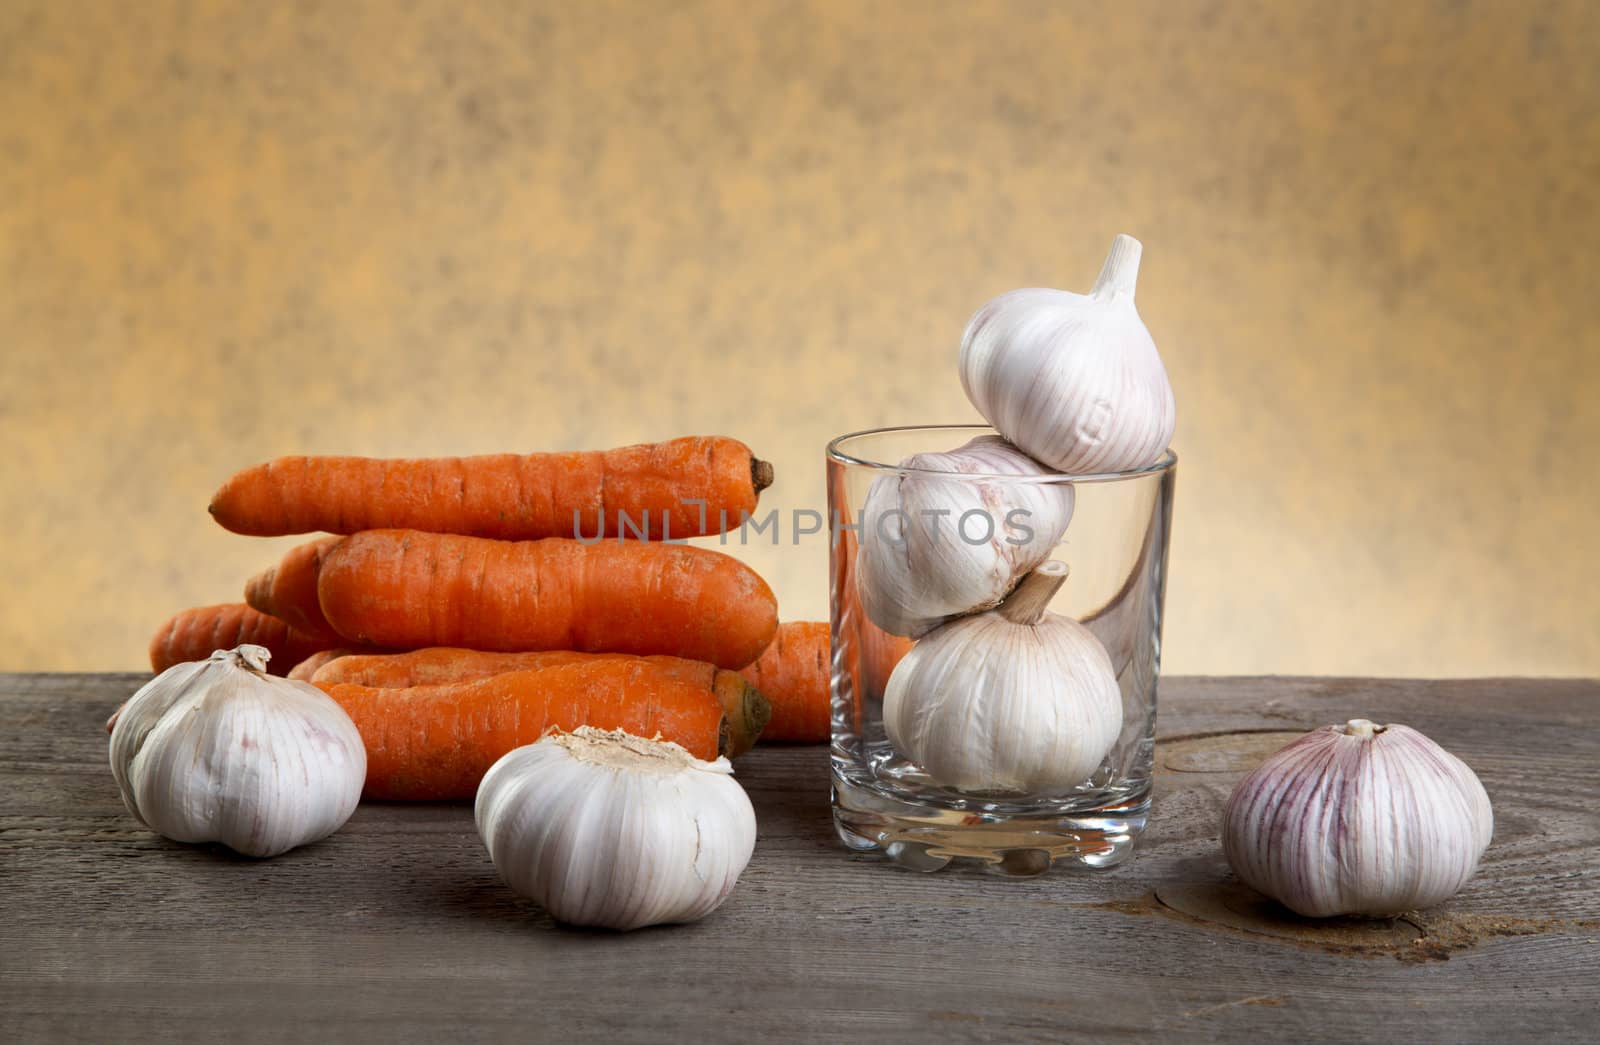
(1032, 597)
(1362, 728)
(1121, 270)
(247, 656)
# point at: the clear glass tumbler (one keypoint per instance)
(1115, 548)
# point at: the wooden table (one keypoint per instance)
(397, 929)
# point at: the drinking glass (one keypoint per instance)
(1115, 546)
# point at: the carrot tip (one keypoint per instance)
(761, 474)
(746, 712)
(758, 712)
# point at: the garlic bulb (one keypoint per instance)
(1016, 699)
(216, 750)
(937, 546)
(604, 828)
(1358, 819)
(1072, 379)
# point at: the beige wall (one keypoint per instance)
(234, 230)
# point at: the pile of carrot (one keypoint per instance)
(463, 606)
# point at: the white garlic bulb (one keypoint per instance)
(1358, 819)
(1016, 699)
(217, 750)
(1074, 380)
(934, 546)
(608, 829)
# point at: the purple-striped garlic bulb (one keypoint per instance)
(1358, 819)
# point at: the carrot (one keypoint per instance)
(506, 496)
(306, 670)
(747, 709)
(436, 742)
(793, 674)
(404, 589)
(288, 590)
(196, 634)
(442, 665)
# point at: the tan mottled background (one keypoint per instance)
(235, 230)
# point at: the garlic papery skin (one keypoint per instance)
(1358, 819)
(1073, 379)
(217, 750)
(936, 544)
(607, 829)
(1015, 699)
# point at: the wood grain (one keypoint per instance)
(397, 929)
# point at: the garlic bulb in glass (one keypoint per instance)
(1358, 819)
(608, 829)
(937, 546)
(1016, 699)
(1074, 380)
(217, 750)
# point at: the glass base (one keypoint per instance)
(925, 837)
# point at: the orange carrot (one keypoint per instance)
(404, 589)
(436, 742)
(442, 665)
(506, 496)
(747, 710)
(288, 590)
(793, 674)
(306, 670)
(196, 634)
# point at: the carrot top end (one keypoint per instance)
(761, 474)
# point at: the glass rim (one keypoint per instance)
(1166, 462)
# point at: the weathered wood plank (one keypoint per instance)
(397, 928)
